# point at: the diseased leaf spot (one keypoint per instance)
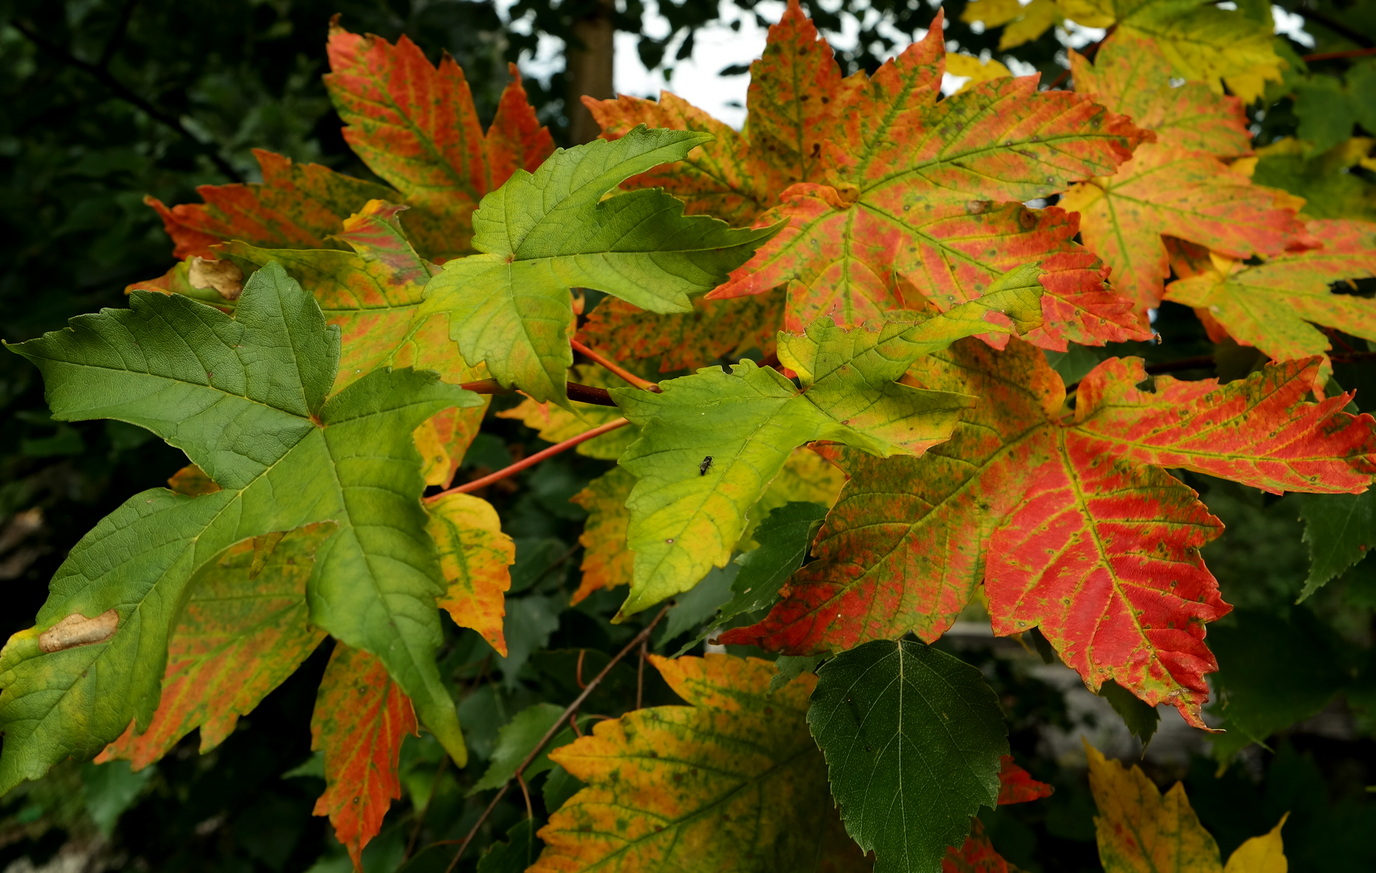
(78, 630)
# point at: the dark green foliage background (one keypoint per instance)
(104, 101)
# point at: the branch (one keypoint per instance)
(1333, 56)
(122, 91)
(532, 460)
(117, 35)
(569, 712)
(1336, 26)
(581, 393)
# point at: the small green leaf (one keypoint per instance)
(514, 742)
(912, 739)
(1340, 529)
(515, 854)
(541, 234)
(784, 537)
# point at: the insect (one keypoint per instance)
(705, 466)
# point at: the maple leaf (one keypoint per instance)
(1067, 517)
(1271, 305)
(243, 631)
(1021, 23)
(607, 562)
(739, 174)
(1140, 830)
(1176, 186)
(244, 397)
(689, 512)
(373, 294)
(543, 233)
(474, 556)
(415, 125)
(732, 782)
(1201, 42)
(714, 329)
(913, 740)
(897, 195)
(295, 206)
(361, 717)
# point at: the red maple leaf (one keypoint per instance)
(897, 196)
(1066, 515)
(1178, 185)
(1016, 785)
(415, 125)
(360, 719)
(295, 206)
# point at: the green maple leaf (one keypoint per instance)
(545, 232)
(244, 397)
(711, 442)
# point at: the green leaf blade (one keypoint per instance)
(912, 739)
(283, 461)
(72, 701)
(225, 389)
(1339, 529)
(546, 232)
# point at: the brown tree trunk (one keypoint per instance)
(589, 67)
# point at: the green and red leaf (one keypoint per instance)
(1280, 304)
(1068, 518)
(295, 206)
(729, 782)
(244, 630)
(474, 556)
(1176, 186)
(360, 720)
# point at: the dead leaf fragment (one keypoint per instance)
(78, 630)
(224, 277)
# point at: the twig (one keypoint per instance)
(613, 367)
(117, 35)
(640, 674)
(122, 91)
(1333, 56)
(1087, 54)
(554, 729)
(420, 817)
(531, 460)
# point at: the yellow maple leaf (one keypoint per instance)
(1140, 830)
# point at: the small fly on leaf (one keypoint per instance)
(705, 466)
